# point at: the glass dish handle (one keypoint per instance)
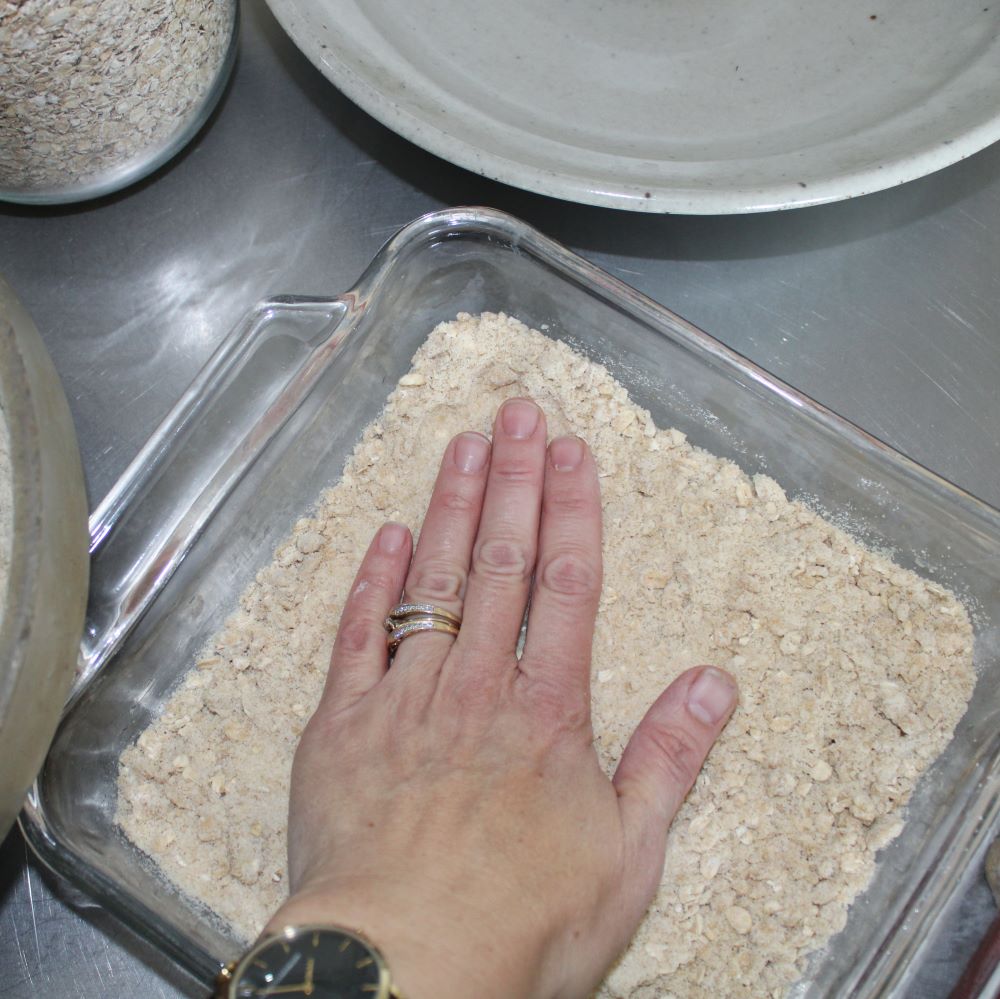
(246, 392)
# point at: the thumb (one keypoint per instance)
(659, 765)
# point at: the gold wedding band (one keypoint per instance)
(405, 612)
(411, 619)
(415, 626)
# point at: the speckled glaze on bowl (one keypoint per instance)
(686, 107)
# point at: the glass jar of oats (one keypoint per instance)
(95, 94)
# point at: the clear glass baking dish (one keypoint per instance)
(269, 423)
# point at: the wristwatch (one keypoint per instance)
(321, 962)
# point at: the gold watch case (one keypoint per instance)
(308, 962)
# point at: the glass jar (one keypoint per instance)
(95, 94)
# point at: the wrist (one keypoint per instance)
(430, 956)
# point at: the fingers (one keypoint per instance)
(661, 762)
(360, 656)
(567, 585)
(440, 566)
(504, 554)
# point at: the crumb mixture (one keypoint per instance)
(853, 673)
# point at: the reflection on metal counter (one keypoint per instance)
(886, 308)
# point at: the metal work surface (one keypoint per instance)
(886, 308)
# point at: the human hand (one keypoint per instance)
(452, 808)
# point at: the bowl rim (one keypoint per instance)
(25, 498)
(45, 598)
(433, 120)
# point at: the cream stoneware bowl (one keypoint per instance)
(680, 106)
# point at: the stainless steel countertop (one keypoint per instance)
(886, 308)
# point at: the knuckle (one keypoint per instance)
(455, 502)
(569, 504)
(502, 558)
(320, 732)
(354, 636)
(437, 583)
(477, 701)
(571, 574)
(678, 755)
(516, 470)
(564, 708)
(379, 582)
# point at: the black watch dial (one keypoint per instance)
(317, 963)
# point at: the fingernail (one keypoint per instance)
(471, 452)
(566, 453)
(519, 417)
(711, 696)
(391, 538)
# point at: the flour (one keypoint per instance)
(853, 673)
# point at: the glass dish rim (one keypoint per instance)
(513, 235)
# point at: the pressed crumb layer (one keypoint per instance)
(853, 673)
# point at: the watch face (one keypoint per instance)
(302, 962)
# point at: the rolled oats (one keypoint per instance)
(90, 87)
